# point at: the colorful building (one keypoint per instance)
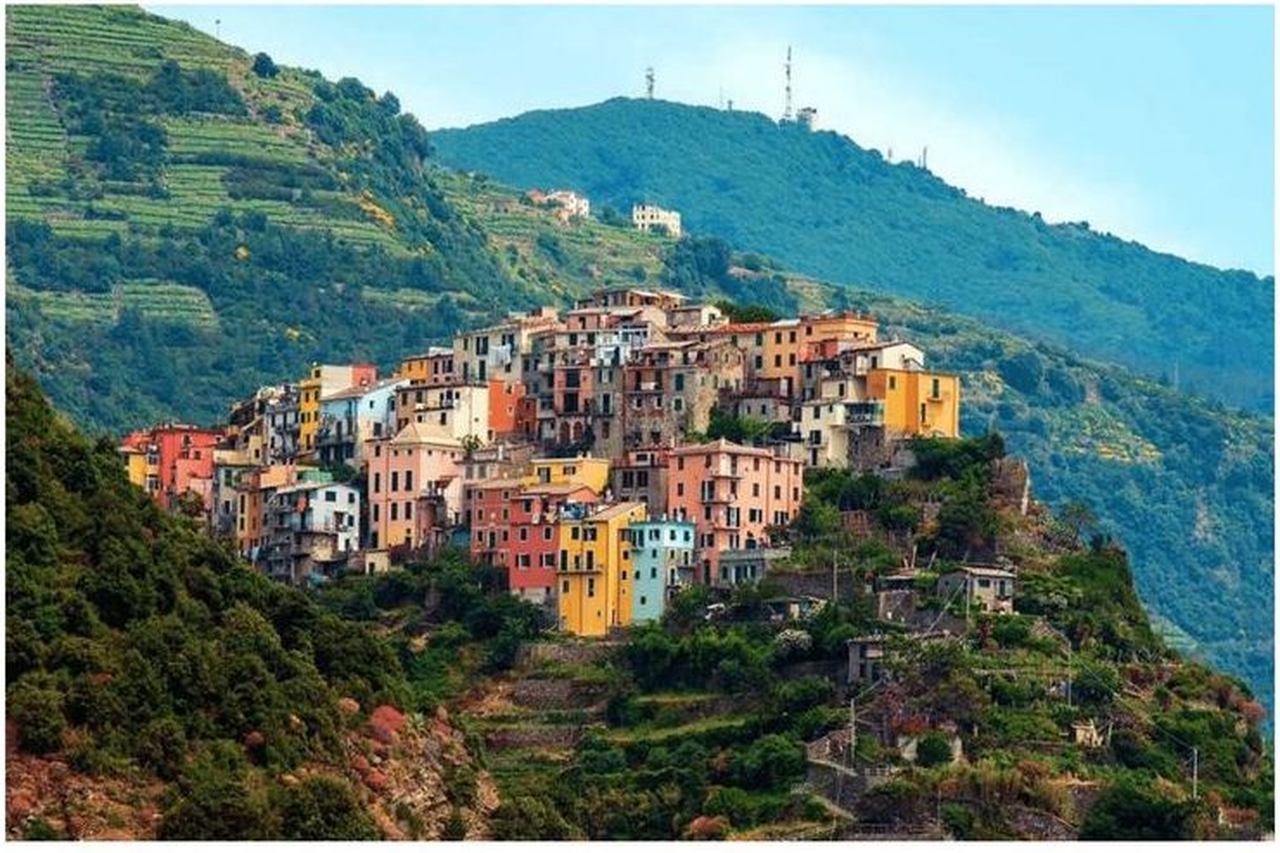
(353, 416)
(595, 567)
(583, 470)
(516, 528)
(459, 410)
(663, 557)
(403, 468)
(173, 461)
(431, 368)
(311, 530)
(323, 380)
(734, 494)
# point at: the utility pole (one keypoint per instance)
(853, 729)
(1195, 773)
(648, 82)
(786, 114)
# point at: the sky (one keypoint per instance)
(1153, 123)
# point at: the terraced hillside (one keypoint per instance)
(180, 214)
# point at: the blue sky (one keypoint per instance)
(1154, 123)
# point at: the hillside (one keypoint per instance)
(157, 687)
(825, 206)
(183, 227)
(132, 308)
(732, 727)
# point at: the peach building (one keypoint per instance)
(402, 469)
(733, 494)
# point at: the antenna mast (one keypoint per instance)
(786, 114)
(648, 82)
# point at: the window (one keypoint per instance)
(893, 382)
(331, 496)
(395, 481)
(564, 587)
(937, 390)
(679, 490)
(375, 512)
(395, 509)
(591, 587)
(408, 510)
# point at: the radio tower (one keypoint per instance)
(786, 114)
(648, 82)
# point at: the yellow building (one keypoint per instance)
(917, 402)
(580, 471)
(595, 572)
(325, 379)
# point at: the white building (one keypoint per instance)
(311, 530)
(646, 216)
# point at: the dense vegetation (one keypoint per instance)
(136, 646)
(705, 722)
(823, 205)
(236, 225)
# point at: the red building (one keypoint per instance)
(514, 527)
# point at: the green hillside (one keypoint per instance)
(183, 227)
(823, 205)
(1186, 486)
(141, 297)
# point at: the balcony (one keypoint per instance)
(865, 414)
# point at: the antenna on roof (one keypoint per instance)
(786, 114)
(648, 82)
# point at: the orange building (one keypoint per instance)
(732, 494)
(504, 398)
(917, 402)
(431, 368)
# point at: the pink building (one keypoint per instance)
(733, 494)
(404, 468)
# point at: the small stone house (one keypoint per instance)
(987, 587)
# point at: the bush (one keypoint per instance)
(39, 716)
(162, 746)
(324, 808)
(933, 750)
(263, 66)
(1130, 810)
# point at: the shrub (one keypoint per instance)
(324, 808)
(1128, 810)
(933, 750)
(39, 715)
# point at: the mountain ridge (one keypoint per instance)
(823, 205)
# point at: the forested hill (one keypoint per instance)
(823, 205)
(186, 221)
